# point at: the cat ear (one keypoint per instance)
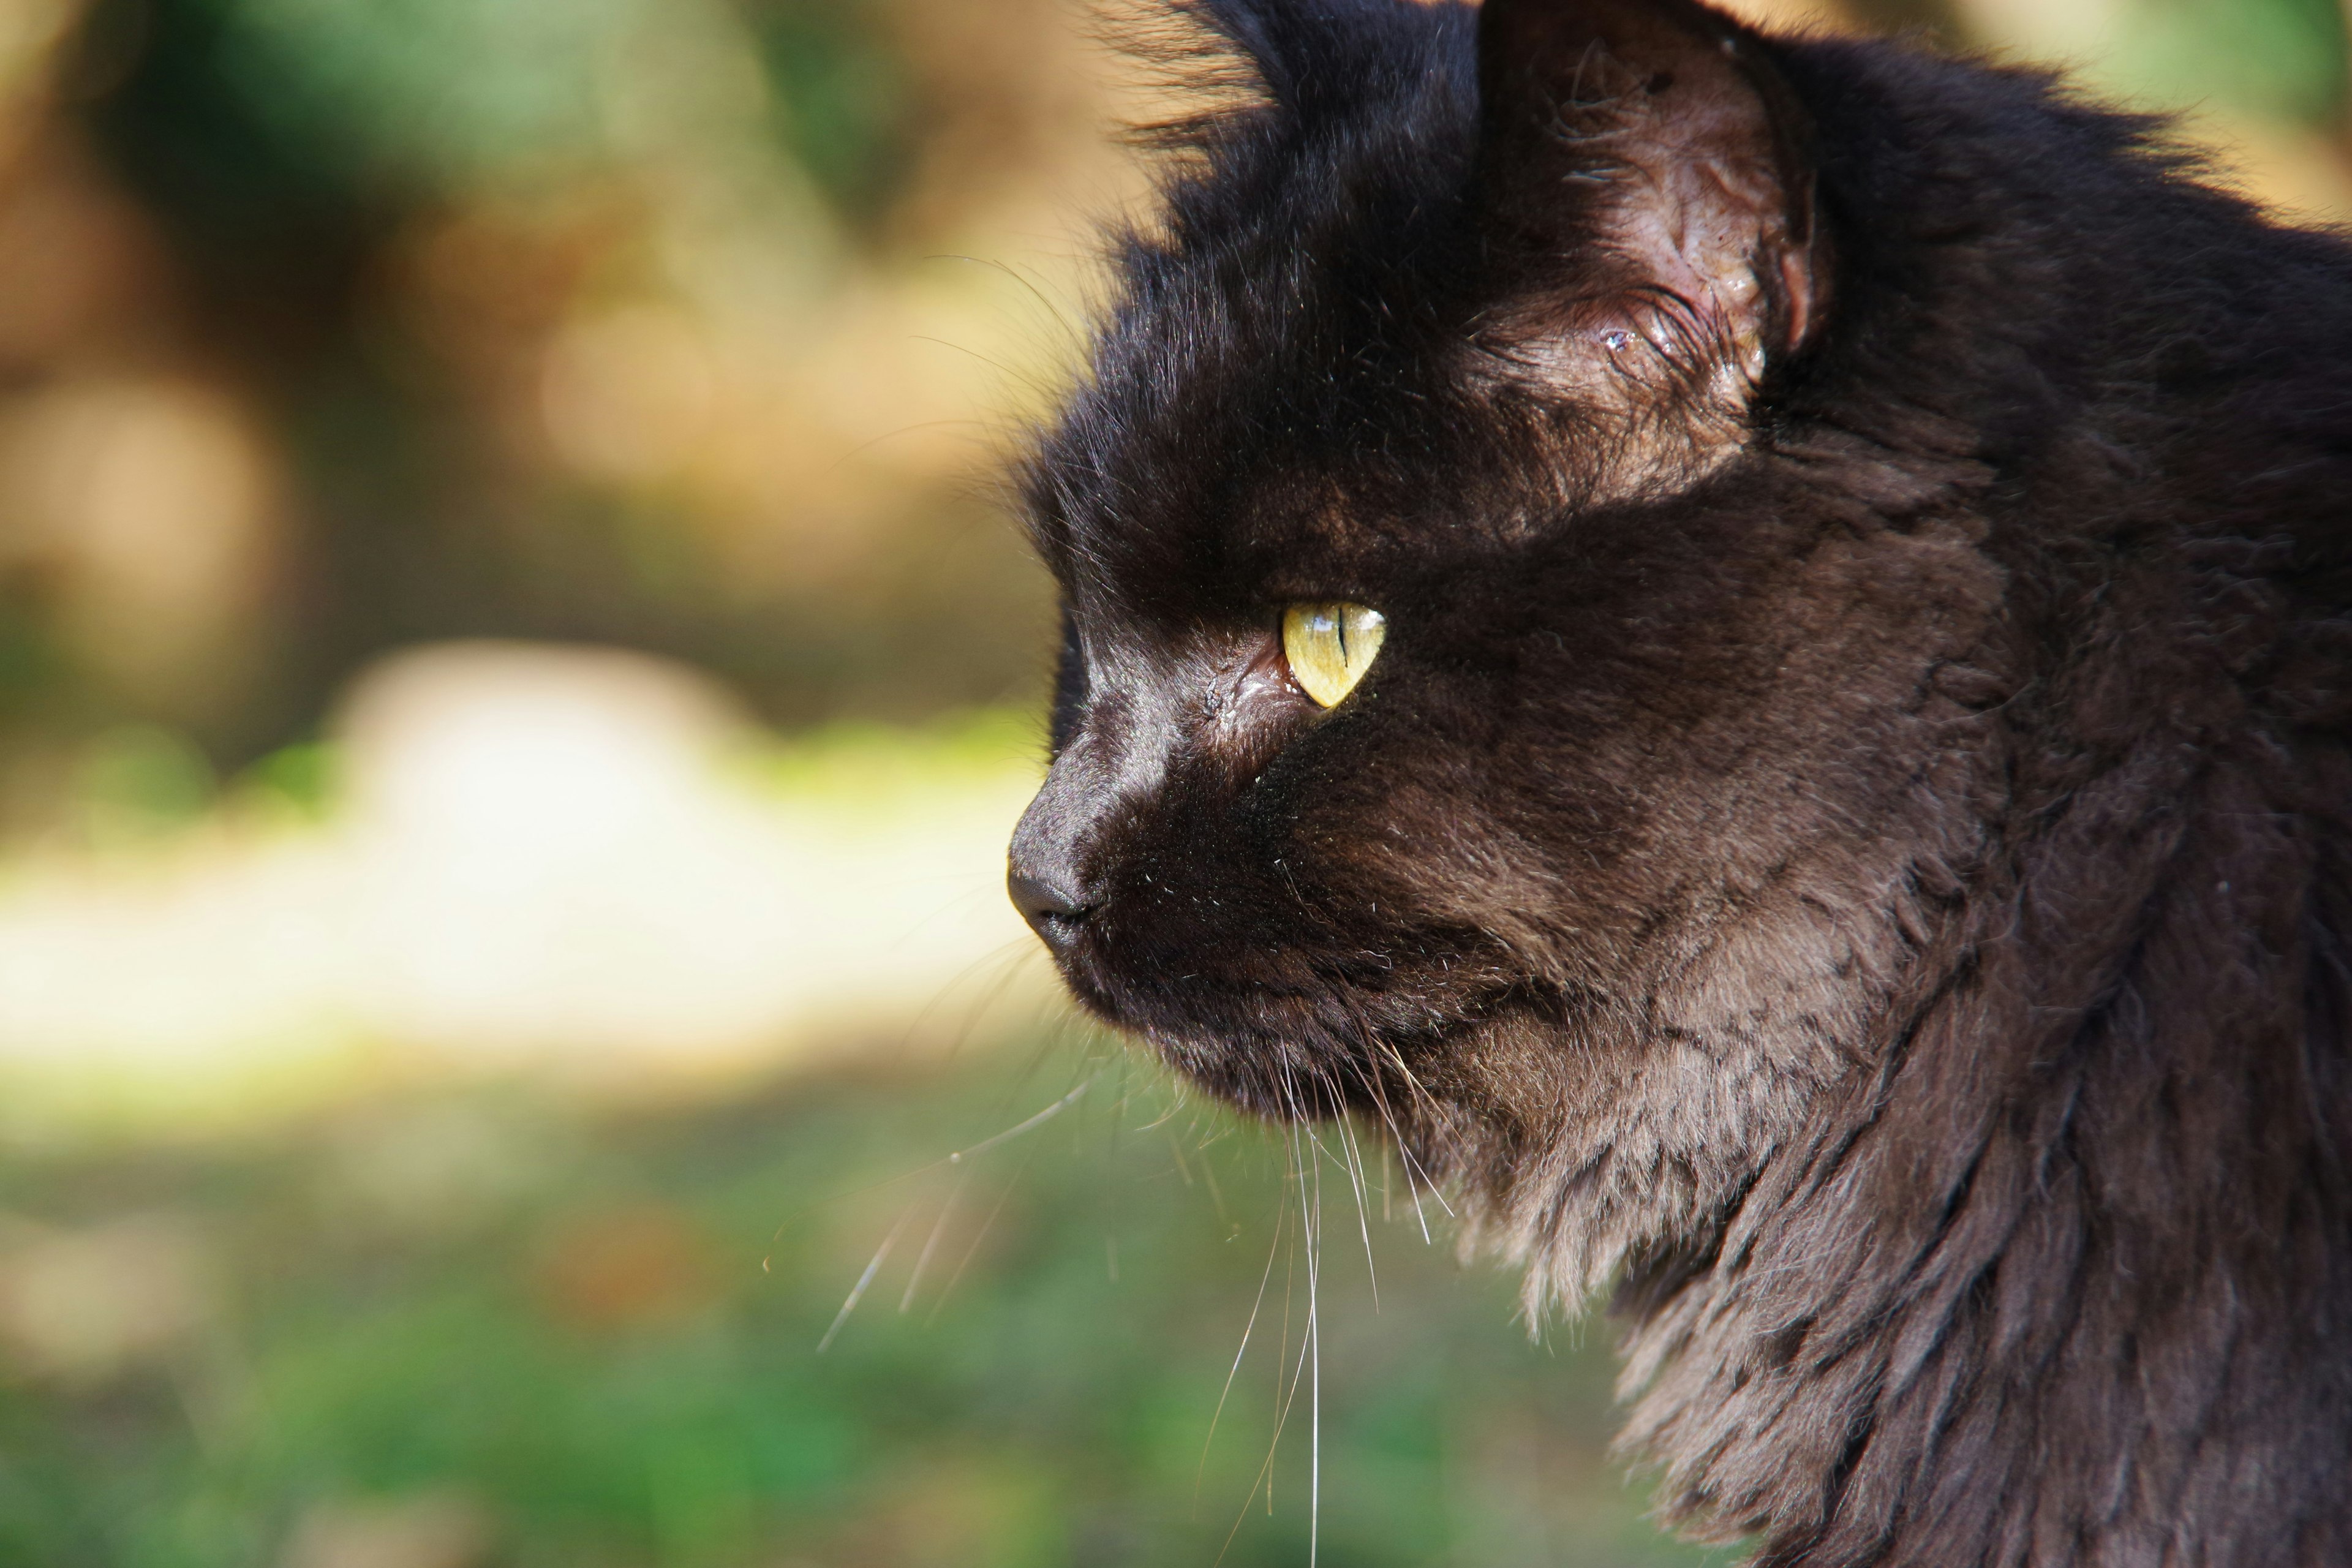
(1643, 184)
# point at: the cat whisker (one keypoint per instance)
(1314, 1344)
(867, 445)
(1363, 1218)
(979, 1236)
(1265, 1476)
(1034, 1122)
(1396, 1138)
(1281, 1216)
(1008, 957)
(857, 1291)
(954, 1157)
(1175, 1104)
(931, 1242)
(1415, 1084)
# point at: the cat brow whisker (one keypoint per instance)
(1069, 327)
(1041, 388)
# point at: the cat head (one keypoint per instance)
(1488, 334)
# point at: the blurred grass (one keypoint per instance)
(577, 1338)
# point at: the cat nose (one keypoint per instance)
(1044, 864)
(1049, 907)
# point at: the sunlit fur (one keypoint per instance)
(1849, 835)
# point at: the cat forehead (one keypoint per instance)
(1258, 469)
(1271, 377)
(1246, 420)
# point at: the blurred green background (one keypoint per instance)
(514, 678)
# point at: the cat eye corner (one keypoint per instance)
(1330, 644)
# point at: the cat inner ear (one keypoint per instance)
(1646, 201)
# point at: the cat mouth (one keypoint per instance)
(1275, 1051)
(1286, 1046)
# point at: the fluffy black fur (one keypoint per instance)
(1849, 835)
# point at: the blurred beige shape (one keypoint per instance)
(435, 1529)
(2067, 33)
(1792, 15)
(549, 861)
(80, 1305)
(549, 865)
(152, 502)
(438, 1168)
(626, 396)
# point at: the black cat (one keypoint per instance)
(1746, 643)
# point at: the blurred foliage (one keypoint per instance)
(302, 780)
(509, 87)
(525, 318)
(596, 1341)
(845, 96)
(139, 782)
(424, 98)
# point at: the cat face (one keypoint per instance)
(1483, 321)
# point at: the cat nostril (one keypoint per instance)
(1044, 904)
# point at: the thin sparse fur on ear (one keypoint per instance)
(1654, 143)
(1209, 56)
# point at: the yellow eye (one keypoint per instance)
(1331, 645)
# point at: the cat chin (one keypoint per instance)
(1580, 1160)
(1275, 1060)
(1584, 1144)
